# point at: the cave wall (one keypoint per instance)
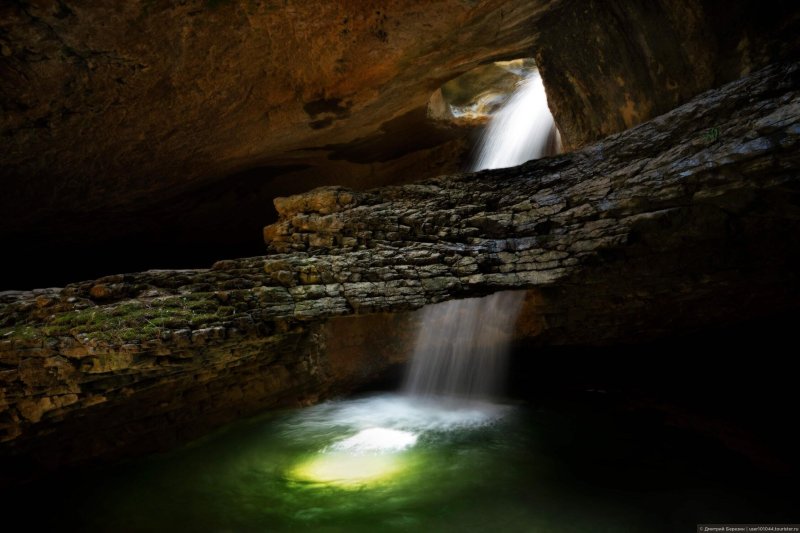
(123, 102)
(112, 111)
(151, 133)
(609, 65)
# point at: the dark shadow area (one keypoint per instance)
(222, 220)
(219, 220)
(398, 137)
(733, 386)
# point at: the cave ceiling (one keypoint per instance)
(162, 130)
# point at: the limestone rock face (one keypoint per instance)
(157, 130)
(111, 106)
(609, 65)
(684, 222)
(474, 96)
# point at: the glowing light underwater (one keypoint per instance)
(368, 457)
(349, 471)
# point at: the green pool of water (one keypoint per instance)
(390, 463)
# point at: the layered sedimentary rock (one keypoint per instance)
(687, 221)
(609, 65)
(157, 130)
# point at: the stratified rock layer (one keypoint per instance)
(687, 221)
(157, 130)
(609, 65)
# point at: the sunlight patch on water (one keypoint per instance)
(348, 470)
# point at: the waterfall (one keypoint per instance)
(523, 128)
(462, 345)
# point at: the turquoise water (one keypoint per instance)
(389, 463)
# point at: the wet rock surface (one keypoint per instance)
(685, 222)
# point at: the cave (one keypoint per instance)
(491, 265)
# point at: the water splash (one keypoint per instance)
(381, 434)
(462, 346)
(523, 129)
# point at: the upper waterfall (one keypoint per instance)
(523, 128)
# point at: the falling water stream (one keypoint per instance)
(462, 345)
(440, 457)
(523, 128)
